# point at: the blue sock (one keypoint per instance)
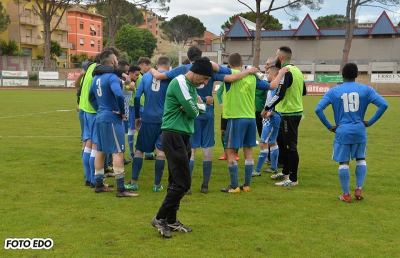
(248, 170)
(233, 172)
(191, 166)
(85, 162)
(159, 170)
(130, 143)
(361, 171)
(99, 179)
(274, 157)
(261, 159)
(120, 184)
(91, 164)
(136, 167)
(207, 167)
(344, 177)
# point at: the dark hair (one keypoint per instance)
(104, 55)
(163, 60)
(235, 60)
(194, 53)
(286, 50)
(144, 60)
(133, 68)
(186, 61)
(350, 71)
(113, 49)
(122, 63)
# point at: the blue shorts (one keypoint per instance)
(270, 129)
(111, 137)
(345, 152)
(131, 117)
(89, 120)
(149, 137)
(203, 136)
(240, 132)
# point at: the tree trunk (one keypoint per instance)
(47, 43)
(350, 24)
(112, 23)
(257, 48)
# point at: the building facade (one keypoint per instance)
(26, 28)
(151, 21)
(379, 42)
(85, 31)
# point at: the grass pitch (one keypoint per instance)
(42, 195)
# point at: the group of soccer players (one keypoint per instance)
(172, 111)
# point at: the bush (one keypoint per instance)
(9, 49)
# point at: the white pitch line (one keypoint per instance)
(38, 113)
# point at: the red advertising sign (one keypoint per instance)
(317, 89)
(72, 76)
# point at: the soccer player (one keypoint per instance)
(270, 129)
(89, 118)
(149, 122)
(349, 102)
(239, 109)
(145, 65)
(204, 124)
(134, 73)
(289, 103)
(107, 97)
(182, 106)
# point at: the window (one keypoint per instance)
(98, 46)
(81, 42)
(92, 43)
(28, 34)
(27, 51)
(81, 25)
(92, 30)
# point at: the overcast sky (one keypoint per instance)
(213, 13)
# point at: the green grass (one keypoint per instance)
(42, 195)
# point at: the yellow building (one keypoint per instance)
(26, 28)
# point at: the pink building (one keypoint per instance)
(85, 31)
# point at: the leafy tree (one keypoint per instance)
(351, 10)
(331, 21)
(135, 42)
(4, 18)
(271, 6)
(55, 49)
(9, 49)
(120, 12)
(183, 27)
(268, 22)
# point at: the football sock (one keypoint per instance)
(261, 159)
(85, 162)
(207, 167)
(274, 153)
(159, 170)
(136, 167)
(361, 171)
(91, 164)
(344, 177)
(191, 166)
(233, 172)
(248, 170)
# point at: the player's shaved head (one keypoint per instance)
(107, 57)
(163, 61)
(284, 53)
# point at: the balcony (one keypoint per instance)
(31, 41)
(64, 44)
(62, 26)
(29, 20)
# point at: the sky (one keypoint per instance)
(213, 13)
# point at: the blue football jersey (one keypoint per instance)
(349, 102)
(107, 98)
(154, 92)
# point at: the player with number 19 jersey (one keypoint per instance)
(349, 102)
